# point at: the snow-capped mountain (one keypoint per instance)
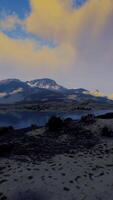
(45, 83)
(14, 90)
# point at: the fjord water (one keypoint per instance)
(23, 119)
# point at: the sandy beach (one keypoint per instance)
(84, 175)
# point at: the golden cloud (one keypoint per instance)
(75, 32)
(57, 19)
(26, 54)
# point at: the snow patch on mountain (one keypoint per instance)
(110, 96)
(96, 93)
(3, 94)
(45, 84)
(18, 90)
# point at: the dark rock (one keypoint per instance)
(88, 119)
(6, 148)
(54, 123)
(107, 132)
(5, 130)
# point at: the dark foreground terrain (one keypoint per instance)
(64, 160)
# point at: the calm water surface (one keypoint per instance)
(25, 119)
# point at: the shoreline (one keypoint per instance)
(73, 162)
(84, 133)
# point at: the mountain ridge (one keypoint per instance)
(15, 90)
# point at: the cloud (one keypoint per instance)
(27, 55)
(83, 39)
(59, 21)
(9, 22)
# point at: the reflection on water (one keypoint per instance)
(26, 118)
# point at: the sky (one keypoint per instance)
(70, 41)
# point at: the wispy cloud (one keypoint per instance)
(9, 22)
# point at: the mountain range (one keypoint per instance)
(14, 90)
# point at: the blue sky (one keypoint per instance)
(20, 7)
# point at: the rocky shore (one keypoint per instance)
(66, 159)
